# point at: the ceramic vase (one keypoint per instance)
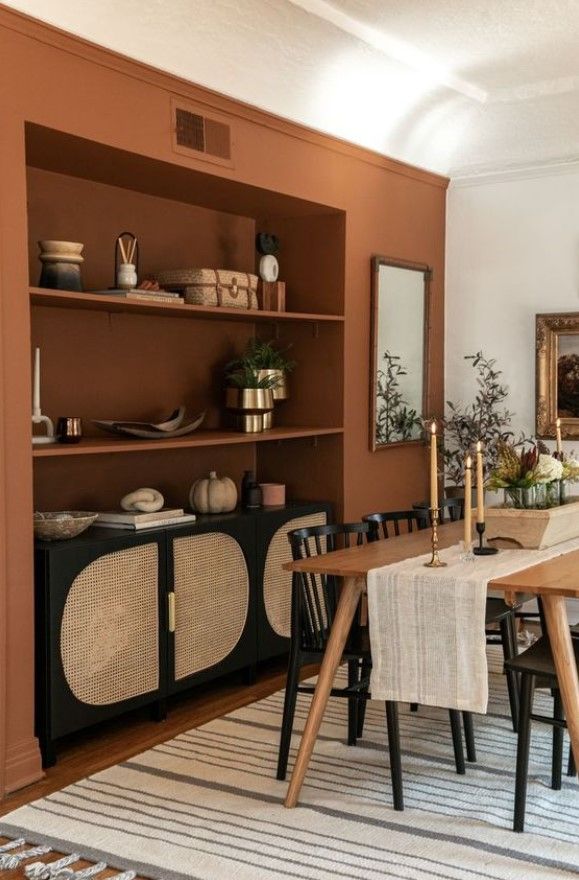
(61, 262)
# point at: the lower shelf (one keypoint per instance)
(104, 446)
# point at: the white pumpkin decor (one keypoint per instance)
(213, 494)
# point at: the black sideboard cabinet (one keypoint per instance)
(125, 619)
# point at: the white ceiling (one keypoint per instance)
(463, 87)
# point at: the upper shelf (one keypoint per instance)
(66, 299)
(106, 445)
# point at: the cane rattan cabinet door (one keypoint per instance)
(275, 584)
(101, 633)
(214, 601)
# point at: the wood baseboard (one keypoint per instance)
(23, 765)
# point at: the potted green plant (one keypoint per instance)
(250, 397)
(268, 362)
(486, 418)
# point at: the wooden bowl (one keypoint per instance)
(59, 525)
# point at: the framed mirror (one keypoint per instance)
(398, 351)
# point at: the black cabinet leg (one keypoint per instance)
(456, 729)
(159, 710)
(414, 707)
(395, 754)
(469, 737)
(523, 744)
(48, 752)
(250, 674)
(558, 733)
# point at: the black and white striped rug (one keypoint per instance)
(207, 806)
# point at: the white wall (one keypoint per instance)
(512, 251)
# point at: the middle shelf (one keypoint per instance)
(98, 446)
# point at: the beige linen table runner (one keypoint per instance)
(427, 626)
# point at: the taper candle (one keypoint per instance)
(468, 504)
(433, 468)
(480, 486)
(558, 428)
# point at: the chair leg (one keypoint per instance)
(289, 708)
(558, 733)
(457, 741)
(353, 679)
(395, 755)
(523, 744)
(365, 672)
(469, 737)
(509, 642)
(571, 766)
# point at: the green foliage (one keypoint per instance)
(486, 419)
(247, 377)
(395, 420)
(260, 355)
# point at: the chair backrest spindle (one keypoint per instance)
(379, 522)
(314, 596)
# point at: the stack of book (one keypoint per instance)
(136, 521)
(167, 296)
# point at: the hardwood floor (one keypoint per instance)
(118, 740)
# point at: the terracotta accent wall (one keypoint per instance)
(373, 205)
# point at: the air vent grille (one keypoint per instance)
(204, 135)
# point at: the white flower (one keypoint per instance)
(548, 469)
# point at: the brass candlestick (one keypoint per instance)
(436, 561)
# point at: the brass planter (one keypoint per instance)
(249, 406)
(280, 389)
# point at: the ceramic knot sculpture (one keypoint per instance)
(143, 500)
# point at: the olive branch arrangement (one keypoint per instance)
(395, 420)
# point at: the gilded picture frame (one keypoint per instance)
(557, 374)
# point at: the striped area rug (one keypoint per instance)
(206, 805)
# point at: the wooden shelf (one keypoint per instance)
(65, 299)
(107, 445)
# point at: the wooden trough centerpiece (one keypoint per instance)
(533, 529)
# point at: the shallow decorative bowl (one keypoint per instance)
(62, 524)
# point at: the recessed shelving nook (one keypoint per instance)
(105, 358)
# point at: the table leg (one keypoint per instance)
(564, 659)
(352, 589)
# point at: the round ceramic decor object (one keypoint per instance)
(268, 268)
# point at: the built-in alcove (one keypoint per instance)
(130, 360)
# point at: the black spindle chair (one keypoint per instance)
(535, 667)
(382, 525)
(451, 509)
(314, 602)
(497, 614)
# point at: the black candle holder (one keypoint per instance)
(483, 549)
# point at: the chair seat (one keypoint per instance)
(496, 610)
(538, 660)
(358, 643)
(357, 646)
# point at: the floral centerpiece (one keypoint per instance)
(532, 478)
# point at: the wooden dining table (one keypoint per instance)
(554, 581)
